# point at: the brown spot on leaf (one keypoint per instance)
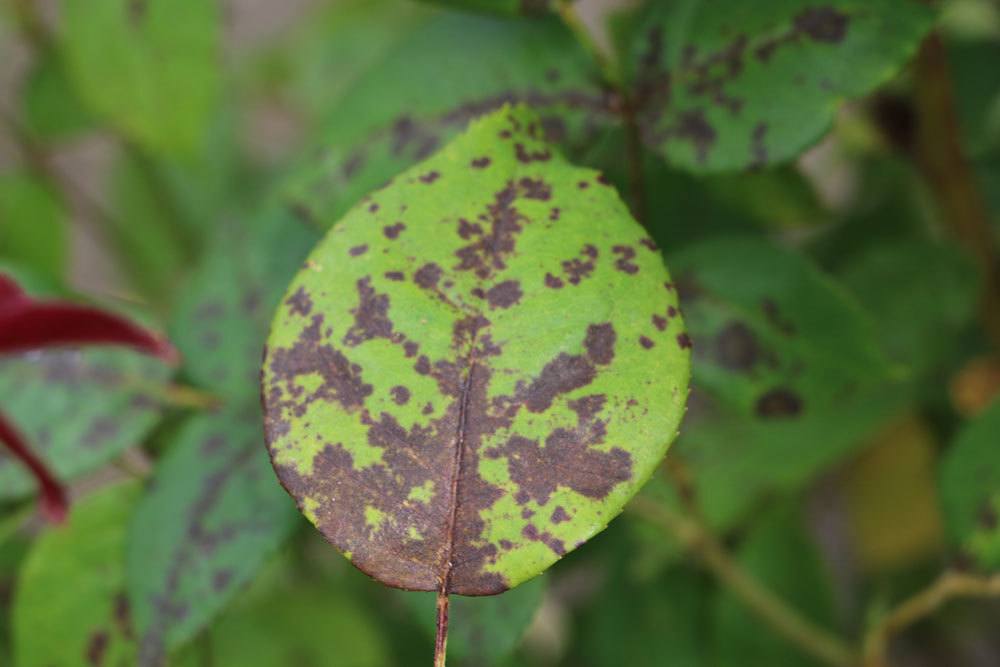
(430, 177)
(624, 262)
(393, 231)
(526, 157)
(481, 162)
(559, 515)
(358, 250)
(428, 275)
(300, 303)
(736, 347)
(684, 341)
(600, 343)
(505, 294)
(395, 276)
(646, 342)
(97, 648)
(778, 404)
(371, 319)
(553, 282)
(400, 394)
(823, 24)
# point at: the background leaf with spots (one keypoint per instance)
(411, 257)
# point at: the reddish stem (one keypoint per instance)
(27, 324)
(53, 496)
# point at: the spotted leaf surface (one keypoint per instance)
(467, 379)
(970, 490)
(77, 409)
(426, 89)
(221, 320)
(734, 84)
(88, 622)
(211, 516)
(787, 371)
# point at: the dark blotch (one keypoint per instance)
(400, 394)
(428, 276)
(600, 343)
(823, 24)
(481, 162)
(430, 177)
(300, 303)
(778, 404)
(358, 250)
(505, 294)
(736, 347)
(393, 231)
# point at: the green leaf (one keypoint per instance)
(70, 608)
(921, 294)
(780, 556)
(508, 7)
(32, 225)
(495, 312)
(977, 94)
(428, 87)
(735, 84)
(52, 108)
(149, 66)
(205, 526)
(221, 320)
(77, 409)
(970, 490)
(661, 621)
(787, 373)
(482, 631)
(291, 618)
(313, 66)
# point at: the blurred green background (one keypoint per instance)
(155, 158)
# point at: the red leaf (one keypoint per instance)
(27, 324)
(53, 496)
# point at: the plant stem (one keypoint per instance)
(570, 17)
(940, 157)
(624, 105)
(441, 640)
(786, 621)
(949, 586)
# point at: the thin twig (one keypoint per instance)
(785, 620)
(949, 586)
(942, 161)
(441, 639)
(624, 105)
(570, 17)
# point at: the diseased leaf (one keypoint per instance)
(211, 516)
(77, 409)
(478, 366)
(970, 490)
(289, 618)
(734, 84)
(787, 373)
(221, 321)
(482, 631)
(781, 556)
(429, 86)
(70, 608)
(149, 66)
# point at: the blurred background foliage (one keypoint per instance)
(176, 160)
